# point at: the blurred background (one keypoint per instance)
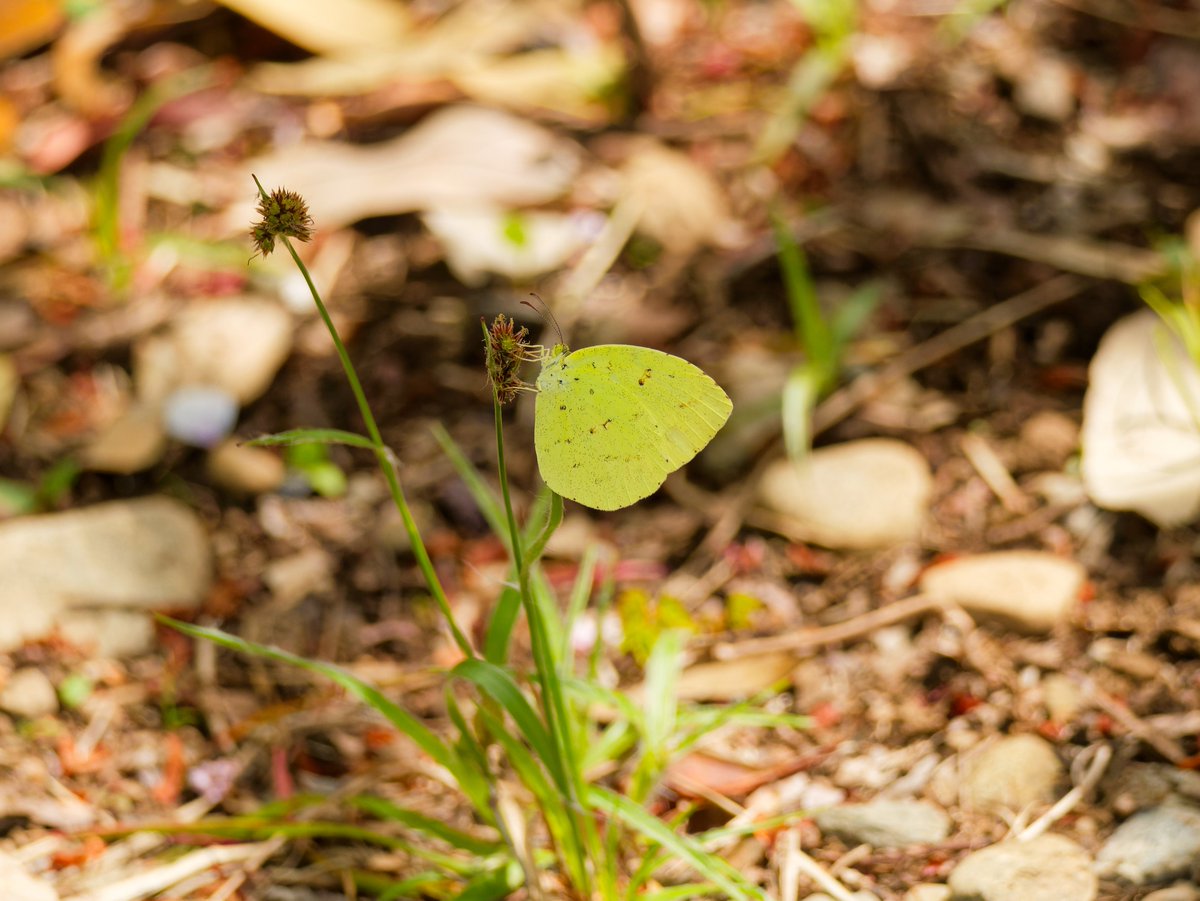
(896, 219)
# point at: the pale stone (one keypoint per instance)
(928, 891)
(246, 470)
(135, 441)
(1030, 590)
(20, 885)
(1011, 774)
(108, 633)
(1045, 88)
(1140, 444)
(885, 824)
(1062, 698)
(139, 554)
(1048, 438)
(28, 693)
(1048, 868)
(235, 344)
(1152, 846)
(864, 494)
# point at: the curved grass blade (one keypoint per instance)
(469, 781)
(497, 684)
(386, 810)
(293, 437)
(710, 867)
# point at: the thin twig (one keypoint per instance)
(1101, 755)
(850, 629)
(845, 401)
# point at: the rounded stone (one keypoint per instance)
(1048, 868)
(1028, 590)
(859, 495)
(1013, 773)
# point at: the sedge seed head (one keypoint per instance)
(281, 213)
(505, 350)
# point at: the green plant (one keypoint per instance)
(834, 24)
(822, 336)
(542, 730)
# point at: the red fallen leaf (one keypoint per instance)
(1189, 763)
(375, 738)
(1104, 724)
(74, 763)
(809, 561)
(1063, 377)
(170, 786)
(281, 777)
(698, 772)
(1087, 592)
(746, 557)
(91, 848)
(961, 704)
(1050, 730)
(825, 715)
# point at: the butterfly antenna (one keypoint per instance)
(545, 312)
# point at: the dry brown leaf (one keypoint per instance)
(463, 156)
(316, 26)
(28, 24)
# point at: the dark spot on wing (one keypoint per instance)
(645, 378)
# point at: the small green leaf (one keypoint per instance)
(74, 690)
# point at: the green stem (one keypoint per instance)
(553, 700)
(383, 455)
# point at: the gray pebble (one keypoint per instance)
(1154, 845)
(885, 824)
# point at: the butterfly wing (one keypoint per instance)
(613, 421)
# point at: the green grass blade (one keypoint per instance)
(812, 329)
(710, 867)
(293, 437)
(468, 780)
(494, 886)
(852, 314)
(800, 394)
(485, 498)
(581, 591)
(681, 892)
(500, 686)
(550, 801)
(504, 617)
(383, 809)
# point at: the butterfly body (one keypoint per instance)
(613, 421)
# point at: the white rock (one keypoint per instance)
(1140, 442)
(928, 891)
(235, 344)
(134, 442)
(28, 693)
(108, 633)
(1046, 89)
(200, 415)
(1184, 891)
(140, 554)
(1152, 846)
(1049, 868)
(19, 885)
(1062, 698)
(885, 824)
(1011, 774)
(1048, 438)
(246, 470)
(860, 495)
(521, 246)
(1030, 590)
